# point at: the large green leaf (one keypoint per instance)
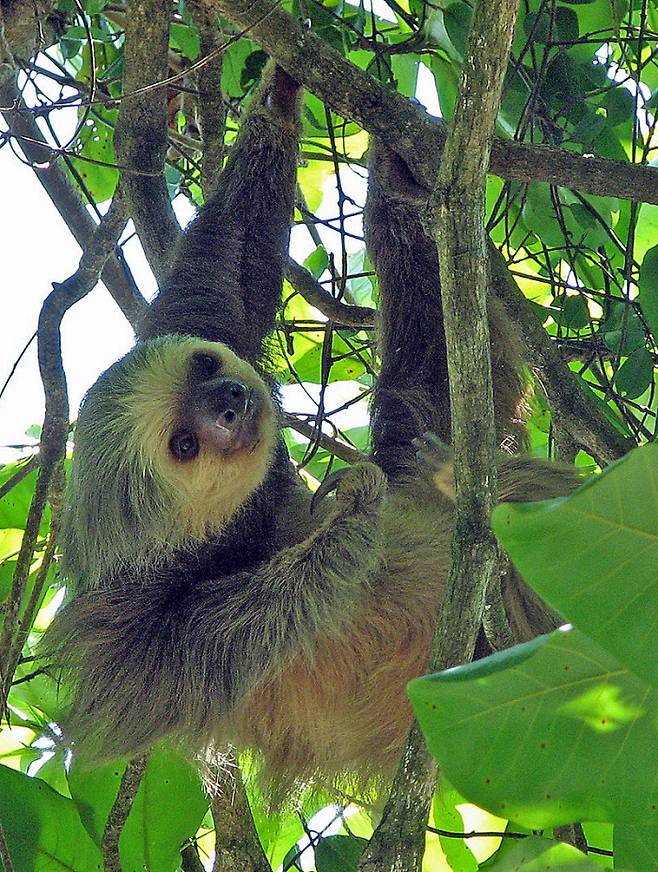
(42, 828)
(167, 810)
(547, 733)
(594, 556)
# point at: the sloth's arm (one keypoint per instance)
(150, 659)
(225, 283)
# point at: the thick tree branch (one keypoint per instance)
(140, 137)
(212, 106)
(405, 127)
(457, 217)
(237, 845)
(64, 195)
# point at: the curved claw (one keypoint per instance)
(329, 483)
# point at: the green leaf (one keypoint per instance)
(619, 105)
(42, 828)
(574, 312)
(623, 330)
(635, 846)
(563, 733)
(539, 25)
(539, 214)
(339, 854)
(317, 261)
(168, 809)
(648, 287)
(15, 505)
(186, 40)
(566, 24)
(635, 375)
(593, 556)
(535, 854)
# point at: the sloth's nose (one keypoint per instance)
(228, 400)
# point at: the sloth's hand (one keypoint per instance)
(357, 487)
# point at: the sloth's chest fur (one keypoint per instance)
(346, 709)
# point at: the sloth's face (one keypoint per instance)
(204, 421)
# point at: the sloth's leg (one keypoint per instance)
(225, 283)
(412, 395)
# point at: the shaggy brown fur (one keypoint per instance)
(411, 395)
(209, 604)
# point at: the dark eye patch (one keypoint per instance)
(184, 445)
(205, 365)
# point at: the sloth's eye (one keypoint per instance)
(184, 445)
(206, 365)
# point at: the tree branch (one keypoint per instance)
(237, 845)
(405, 127)
(336, 446)
(140, 137)
(457, 211)
(567, 396)
(55, 426)
(119, 812)
(342, 314)
(212, 106)
(64, 196)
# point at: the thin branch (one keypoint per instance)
(140, 136)
(64, 196)
(405, 127)
(335, 446)
(119, 812)
(19, 475)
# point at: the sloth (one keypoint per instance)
(209, 603)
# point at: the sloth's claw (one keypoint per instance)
(436, 457)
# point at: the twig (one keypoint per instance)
(334, 446)
(457, 220)
(19, 475)
(119, 812)
(140, 136)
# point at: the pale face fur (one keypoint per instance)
(210, 488)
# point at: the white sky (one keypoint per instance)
(36, 249)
